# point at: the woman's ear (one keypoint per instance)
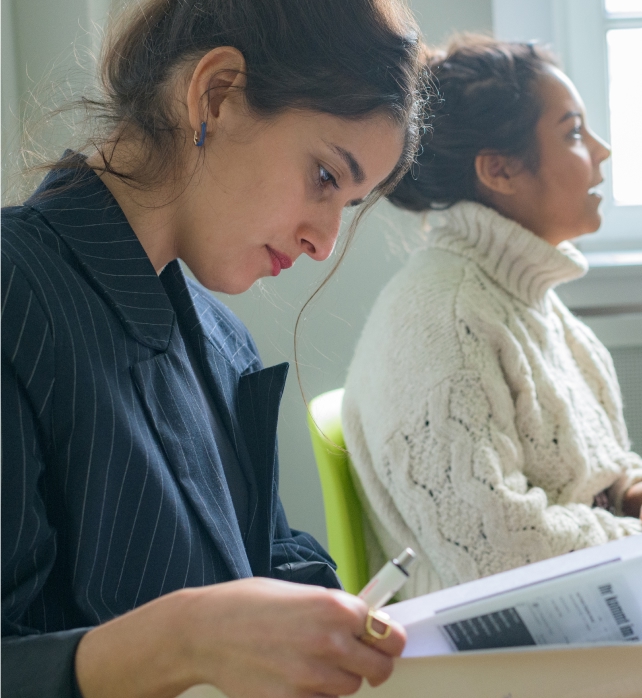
(218, 76)
(496, 173)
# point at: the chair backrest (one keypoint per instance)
(343, 510)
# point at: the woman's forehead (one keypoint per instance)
(368, 136)
(559, 95)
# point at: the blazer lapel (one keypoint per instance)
(89, 221)
(249, 406)
(259, 399)
(174, 402)
(223, 382)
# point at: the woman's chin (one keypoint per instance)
(232, 289)
(596, 223)
(224, 278)
(595, 217)
(588, 225)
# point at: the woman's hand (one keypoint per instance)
(254, 638)
(632, 501)
(274, 638)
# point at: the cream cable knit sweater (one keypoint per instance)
(481, 416)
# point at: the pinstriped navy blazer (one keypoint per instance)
(113, 491)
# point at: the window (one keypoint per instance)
(600, 42)
(623, 7)
(624, 56)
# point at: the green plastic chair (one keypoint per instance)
(343, 510)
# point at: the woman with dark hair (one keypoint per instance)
(144, 546)
(484, 420)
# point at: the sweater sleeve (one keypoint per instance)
(457, 478)
(596, 364)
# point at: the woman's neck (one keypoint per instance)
(155, 214)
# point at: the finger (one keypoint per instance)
(393, 644)
(382, 633)
(358, 613)
(305, 678)
(368, 662)
(372, 661)
(342, 683)
(329, 679)
(384, 639)
(377, 627)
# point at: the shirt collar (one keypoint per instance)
(83, 212)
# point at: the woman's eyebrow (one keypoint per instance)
(570, 115)
(358, 175)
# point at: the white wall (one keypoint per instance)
(47, 49)
(524, 20)
(10, 88)
(440, 18)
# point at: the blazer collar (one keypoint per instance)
(82, 211)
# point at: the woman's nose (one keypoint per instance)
(319, 238)
(601, 150)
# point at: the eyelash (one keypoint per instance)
(326, 178)
(577, 131)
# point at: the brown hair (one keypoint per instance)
(487, 99)
(349, 59)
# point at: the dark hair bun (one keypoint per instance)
(486, 99)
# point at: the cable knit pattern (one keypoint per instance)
(481, 416)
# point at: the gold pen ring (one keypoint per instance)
(372, 634)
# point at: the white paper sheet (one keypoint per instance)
(554, 601)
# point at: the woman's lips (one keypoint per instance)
(595, 192)
(279, 261)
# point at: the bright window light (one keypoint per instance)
(623, 6)
(625, 101)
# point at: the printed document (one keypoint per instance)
(592, 596)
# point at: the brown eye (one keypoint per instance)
(326, 178)
(576, 133)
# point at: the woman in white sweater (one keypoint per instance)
(483, 419)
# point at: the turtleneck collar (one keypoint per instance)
(519, 261)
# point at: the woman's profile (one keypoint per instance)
(483, 419)
(144, 545)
